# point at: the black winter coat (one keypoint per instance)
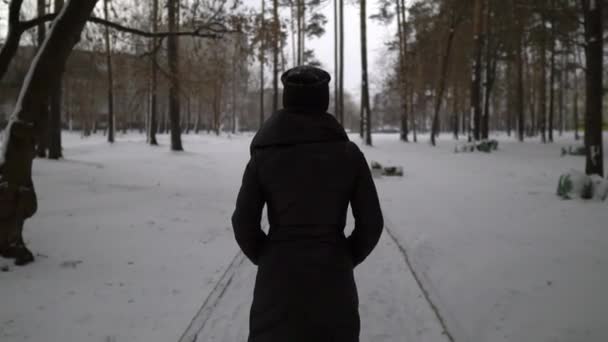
(304, 168)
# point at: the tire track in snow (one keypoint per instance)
(211, 302)
(416, 276)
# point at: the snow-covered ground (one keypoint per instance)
(132, 239)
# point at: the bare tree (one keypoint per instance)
(594, 49)
(17, 195)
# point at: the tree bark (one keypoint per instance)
(262, 47)
(153, 124)
(17, 194)
(402, 34)
(519, 59)
(110, 90)
(43, 139)
(552, 76)
(364, 78)
(443, 77)
(542, 87)
(593, 17)
(55, 101)
(275, 58)
(341, 61)
(174, 84)
(476, 83)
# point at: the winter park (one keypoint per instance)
(303, 170)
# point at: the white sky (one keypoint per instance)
(324, 47)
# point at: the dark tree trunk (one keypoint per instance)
(341, 62)
(336, 66)
(519, 59)
(262, 47)
(456, 119)
(552, 77)
(364, 79)
(15, 30)
(110, 90)
(402, 32)
(17, 194)
(275, 56)
(55, 101)
(443, 77)
(593, 12)
(174, 84)
(476, 83)
(44, 108)
(153, 123)
(542, 87)
(575, 105)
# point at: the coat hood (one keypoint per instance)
(285, 128)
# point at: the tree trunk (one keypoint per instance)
(552, 76)
(402, 34)
(575, 105)
(443, 77)
(521, 121)
(17, 194)
(110, 90)
(542, 115)
(594, 49)
(153, 124)
(336, 66)
(55, 101)
(364, 79)
(262, 47)
(276, 30)
(476, 79)
(43, 139)
(341, 61)
(13, 37)
(174, 84)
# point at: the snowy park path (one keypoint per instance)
(392, 306)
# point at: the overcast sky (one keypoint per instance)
(324, 47)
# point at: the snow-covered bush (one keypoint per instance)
(599, 188)
(482, 146)
(574, 151)
(577, 184)
(378, 170)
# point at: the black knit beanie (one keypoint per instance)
(306, 88)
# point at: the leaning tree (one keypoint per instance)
(17, 195)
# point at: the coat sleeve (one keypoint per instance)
(366, 211)
(248, 214)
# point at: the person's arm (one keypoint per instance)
(248, 214)
(366, 211)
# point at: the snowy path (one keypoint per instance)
(392, 307)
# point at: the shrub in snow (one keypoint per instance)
(599, 188)
(574, 151)
(574, 184)
(393, 171)
(482, 146)
(378, 170)
(577, 184)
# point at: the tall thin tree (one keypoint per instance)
(110, 89)
(276, 30)
(594, 53)
(174, 84)
(365, 105)
(153, 120)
